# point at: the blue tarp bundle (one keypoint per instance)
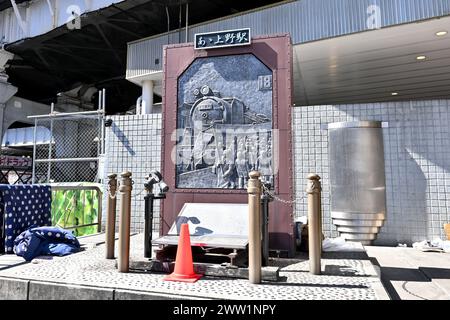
(45, 241)
(23, 207)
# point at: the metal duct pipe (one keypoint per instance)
(357, 179)
(138, 105)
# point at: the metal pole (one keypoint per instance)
(265, 229)
(180, 9)
(313, 189)
(148, 226)
(168, 23)
(254, 222)
(320, 219)
(187, 21)
(64, 114)
(52, 109)
(99, 215)
(19, 17)
(103, 133)
(99, 133)
(111, 216)
(124, 223)
(33, 179)
(2, 128)
(147, 96)
(103, 123)
(66, 159)
(104, 98)
(100, 107)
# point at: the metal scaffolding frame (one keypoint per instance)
(96, 119)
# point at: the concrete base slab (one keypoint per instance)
(142, 295)
(55, 291)
(13, 289)
(439, 276)
(213, 270)
(410, 290)
(88, 275)
(410, 274)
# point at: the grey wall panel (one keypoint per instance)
(141, 58)
(306, 20)
(37, 17)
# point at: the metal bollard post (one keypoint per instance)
(110, 231)
(320, 217)
(265, 199)
(254, 222)
(148, 222)
(313, 189)
(124, 223)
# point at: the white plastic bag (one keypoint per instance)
(437, 245)
(339, 244)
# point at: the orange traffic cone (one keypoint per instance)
(184, 267)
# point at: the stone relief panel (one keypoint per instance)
(224, 123)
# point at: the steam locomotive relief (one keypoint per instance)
(221, 140)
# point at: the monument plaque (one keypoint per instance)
(224, 126)
(227, 112)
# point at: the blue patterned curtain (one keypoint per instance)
(23, 207)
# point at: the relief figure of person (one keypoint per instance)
(241, 164)
(226, 172)
(265, 163)
(252, 154)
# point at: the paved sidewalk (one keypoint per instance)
(410, 274)
(87, 275)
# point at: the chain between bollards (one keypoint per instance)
(110, 231)
(124, 221)
(254, 223)
(313, 190)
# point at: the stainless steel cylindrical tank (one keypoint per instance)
(357, 179)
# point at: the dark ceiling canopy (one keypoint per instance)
(63, 59)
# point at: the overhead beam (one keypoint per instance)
(41, 57)
(22, 24)
(108, 43)
(54, 45)
(131, 33)
(79, 58)
(50, 8)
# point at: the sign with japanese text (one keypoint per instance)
(220, 39)
(11, 161)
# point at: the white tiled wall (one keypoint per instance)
(133, 143)
(417, 163)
